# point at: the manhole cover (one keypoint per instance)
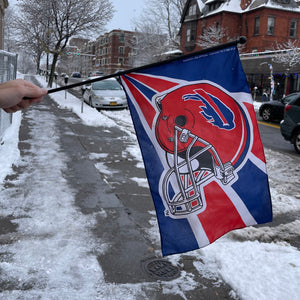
(160, 269)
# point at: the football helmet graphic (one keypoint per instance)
(202, 130)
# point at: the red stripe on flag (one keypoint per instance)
(156, 84)
(220, 215)
(257, 148)
(145, 106)
(239, 119)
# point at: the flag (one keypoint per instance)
(203, 156)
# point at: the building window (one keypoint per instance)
(192, 10)
(256, 25)
(121, 50)
(214, 5)
(271, 25)
(122, 38)
(293, 29)
(120, 61)
(190, 33)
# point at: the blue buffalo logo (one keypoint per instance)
(212, 109)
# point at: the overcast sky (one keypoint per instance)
(126, 10)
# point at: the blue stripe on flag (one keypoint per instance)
(232, 77)
(257, 197)
(142, 88)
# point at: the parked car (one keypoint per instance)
(96, 73)
(107, 93)
(273, 110)
(76, 75)
(290, 125)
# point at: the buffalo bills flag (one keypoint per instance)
(201, 147)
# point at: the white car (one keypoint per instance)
(107, 93)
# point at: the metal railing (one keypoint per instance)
(8, 71)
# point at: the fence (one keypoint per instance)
(8, 71)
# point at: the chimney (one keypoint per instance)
(245, 4)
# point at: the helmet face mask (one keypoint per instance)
(189, 170)
(198, 126)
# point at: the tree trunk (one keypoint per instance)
(38, 64)
(54, 61)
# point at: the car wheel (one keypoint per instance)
(266, 114)
(296, 141)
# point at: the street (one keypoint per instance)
(272, 138)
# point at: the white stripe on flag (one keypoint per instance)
(260, 164)
(198, 230)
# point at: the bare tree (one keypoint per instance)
(288, 55)
(212, 36)
(9, 32)
(158, 28)
(30, 35)
(149, 43)
(62, 19)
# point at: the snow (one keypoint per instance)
(258, 263)
(234, 6)
(9, 151)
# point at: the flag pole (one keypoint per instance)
(240, 40)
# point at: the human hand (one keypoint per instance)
(12, 94)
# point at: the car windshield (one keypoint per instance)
(291, 97)
(106, 85)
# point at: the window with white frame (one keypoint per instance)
(271, 25)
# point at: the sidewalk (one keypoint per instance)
(69, 233)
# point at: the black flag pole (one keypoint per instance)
(241, 40)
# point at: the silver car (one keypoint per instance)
(107, 93)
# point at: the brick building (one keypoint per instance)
(113, 51)
(264, 23)
(78, 43)
(110, 52)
